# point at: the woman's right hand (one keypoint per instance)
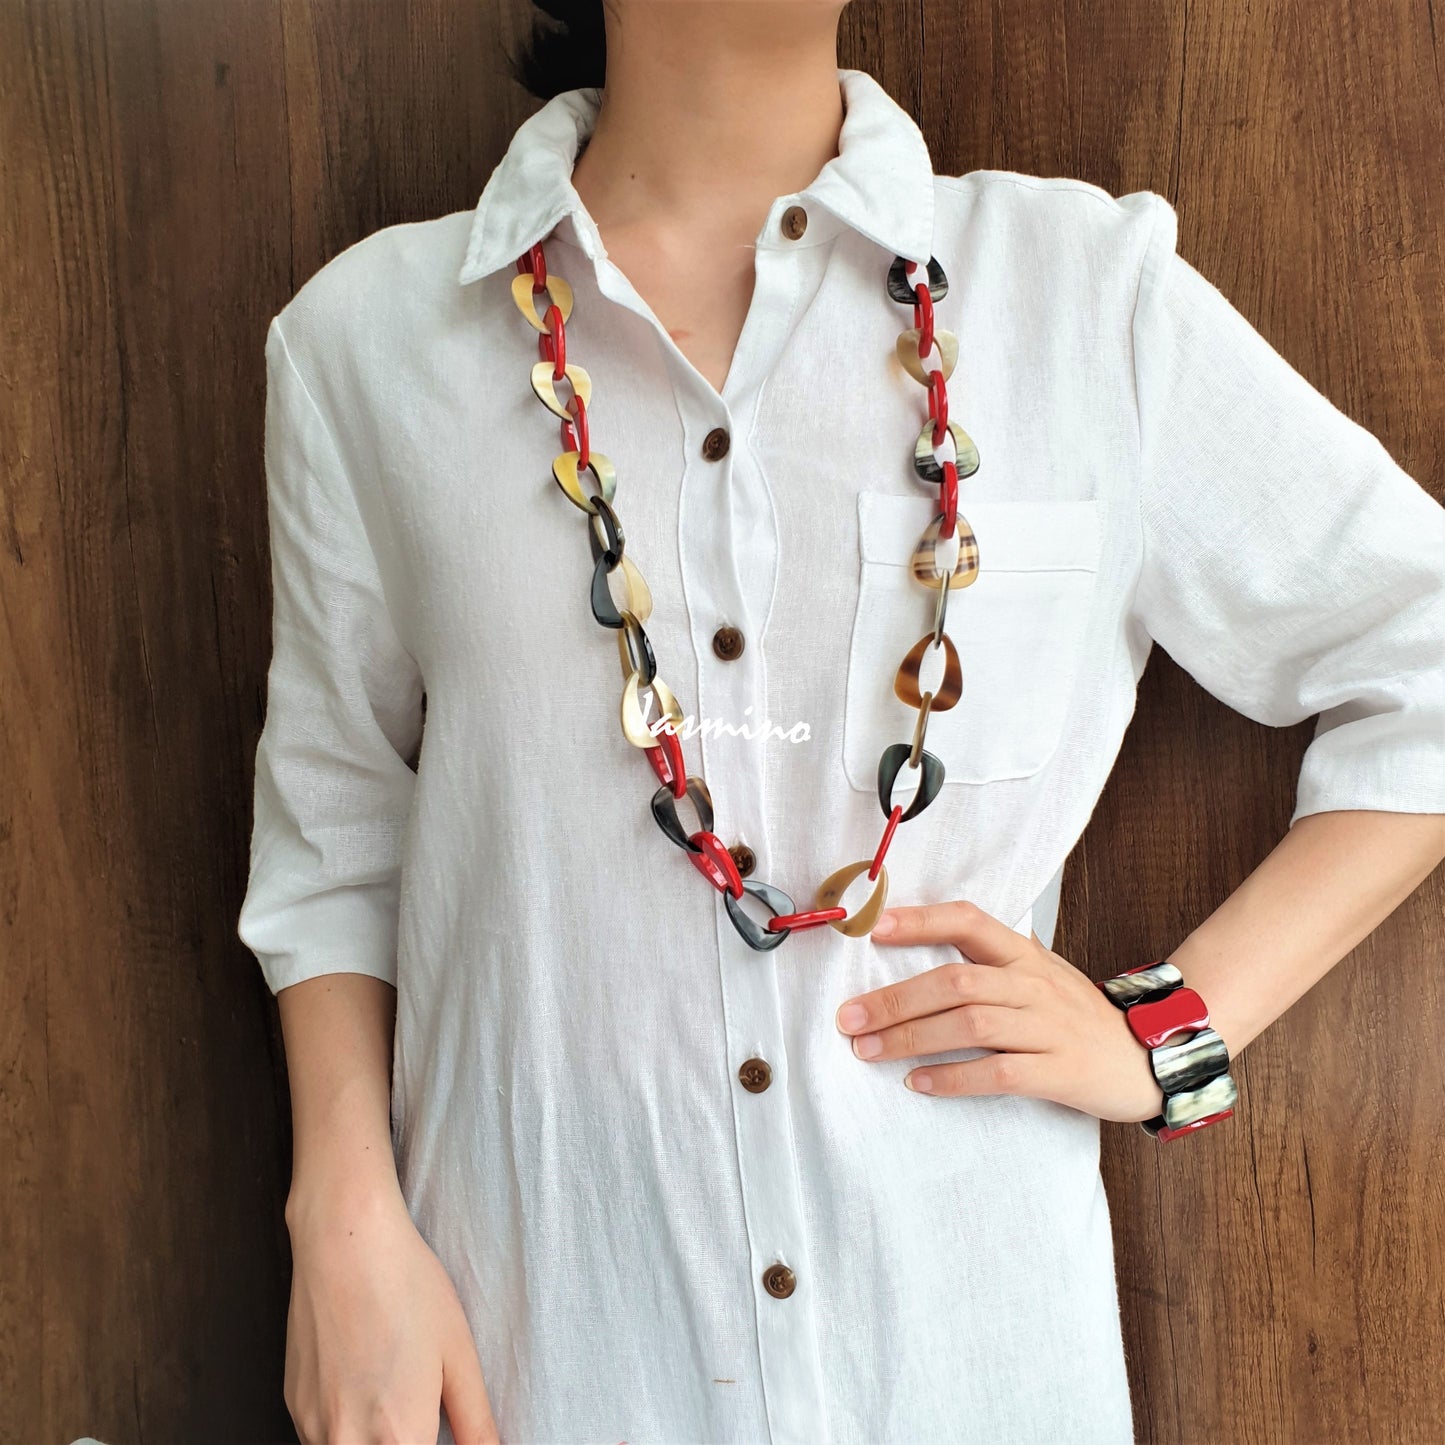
(376, 1339)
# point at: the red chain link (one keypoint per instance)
(809, 918)
(666, 760)
(888, 833)
(948, 490)
(577, 440)
(558, 338)
(938, 405)
(923, 319)
(715, 863)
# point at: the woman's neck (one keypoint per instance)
(710, 111)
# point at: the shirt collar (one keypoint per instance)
(880, 183)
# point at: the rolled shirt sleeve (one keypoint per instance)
(1289, 564)
(333, 781)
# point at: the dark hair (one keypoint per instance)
(565, 49)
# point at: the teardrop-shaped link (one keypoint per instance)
(557, 291)
(925, 460)
(604, 533)
(634, 720)
(907, 685)
(664, 810)
(634, 648)
(902, 286)
(931, 774)
(637, 597)
(604, 474)
(835, 885)
(545, 385)
(947, 346)
(637, 593)
(758, 936)
(925, 565)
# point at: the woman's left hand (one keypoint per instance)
(1055, 1035)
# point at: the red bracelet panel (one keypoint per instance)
(1153, 1022)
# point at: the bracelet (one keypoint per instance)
(1193, 1073)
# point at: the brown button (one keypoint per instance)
(728, 643)
(744, 859)
(779, 1281)
(715, 444)
(755, 1075)
(795, 222)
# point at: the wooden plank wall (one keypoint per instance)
(170, 172)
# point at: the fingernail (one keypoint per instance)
(920, 1083)
(852, 1016)
(868, 1046)
(887, 922)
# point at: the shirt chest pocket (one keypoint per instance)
(1019, 628)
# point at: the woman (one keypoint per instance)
(641, 1175)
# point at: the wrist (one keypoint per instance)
(341, 1186)
(1187, 1058)
(1145, 1099)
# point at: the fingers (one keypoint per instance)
(992, 1074)
(960, 1005)
(930, 992)
(978, 1025)
(464, 1396)
(976, 934)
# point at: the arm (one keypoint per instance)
(1329, 882)
(1293, 569)
(375, 1335)
(338, 1033)
(376, 1340)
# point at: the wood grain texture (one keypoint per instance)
(172, 171)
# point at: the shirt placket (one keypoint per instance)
(728, 548)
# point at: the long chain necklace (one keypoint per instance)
(642, 685)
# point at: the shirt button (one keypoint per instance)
(715, 444)
(744, 859)
(755, 1075)
(728, 643)
(795, 222)
(779, 1281)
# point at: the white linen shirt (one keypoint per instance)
(574, 1007)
